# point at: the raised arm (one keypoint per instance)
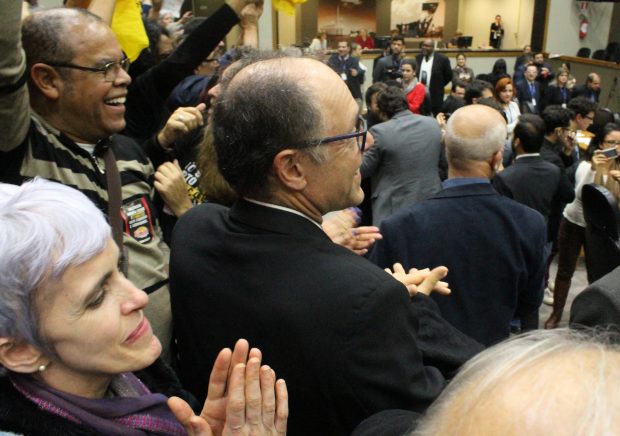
(103, 9)
(14, 99)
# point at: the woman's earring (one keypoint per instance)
(42, 368)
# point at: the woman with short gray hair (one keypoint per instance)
(73, 335)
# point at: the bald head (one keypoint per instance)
(474, 133)
(547, 382)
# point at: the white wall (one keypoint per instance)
(563, 27)
(476, 16)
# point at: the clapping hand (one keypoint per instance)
(243, 398)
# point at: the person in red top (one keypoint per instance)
(415, 91)
(365, 40)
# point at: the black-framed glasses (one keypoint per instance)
(359, 135)
(110, 70)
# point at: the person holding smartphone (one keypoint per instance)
(600, 167)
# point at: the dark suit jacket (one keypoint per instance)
(583, 91)
(441, 75)
(525, 97)
(557, 95)
(354, 83)
(403, 163)
(344, 335)
(493, 248)
(599, 304)
(532, 181)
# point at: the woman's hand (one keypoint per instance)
(600, 161)
(181, 122)
(243, 398)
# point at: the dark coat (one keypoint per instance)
(22, 416)
(354, 83)
(441, 75)
(493, 248)
(532, 181)
(583, 91)
(525, 96)
(346, 337)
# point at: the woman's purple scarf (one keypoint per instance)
(133, 409)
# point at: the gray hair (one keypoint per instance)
(474, 137)
(45, 228)
(554, 380)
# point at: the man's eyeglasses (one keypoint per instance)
(359, 135)
(616, 143)
(110, 70)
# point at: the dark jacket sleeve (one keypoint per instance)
(148, 93)
(379, 363)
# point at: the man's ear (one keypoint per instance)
(20, 356)
(496, 160)
(290, 169)
(48, 80)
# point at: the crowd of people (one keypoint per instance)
(157, 217)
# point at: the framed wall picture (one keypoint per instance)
(344, 18)
(418, 19)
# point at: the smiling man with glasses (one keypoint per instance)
(62, 126)
(289, 141)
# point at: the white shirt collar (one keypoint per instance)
(527, 155)
(283, 208)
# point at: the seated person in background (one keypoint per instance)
(473, 229)
(558, 92)
(541, 383)
(365, 40)
(289, 141)
(418, 97)
(78, 354)
(591, 89)
(461, 72)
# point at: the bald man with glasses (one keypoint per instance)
(348, 336)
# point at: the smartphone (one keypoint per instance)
(204, 8)
(611, 153)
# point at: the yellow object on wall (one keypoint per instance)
(128, 27)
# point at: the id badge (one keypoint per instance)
(343, 76)
(533, 101)
(564, 105)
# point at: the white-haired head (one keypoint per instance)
(545, 382)
(474, 134)
(45, 228)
